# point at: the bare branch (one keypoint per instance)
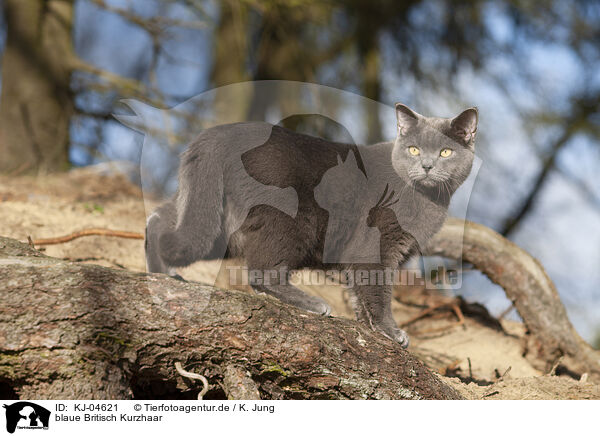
(583, 107)
(155, 25)
(88, 232)
(115, 82)
(547, 165)
(527, 285)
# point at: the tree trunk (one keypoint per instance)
(36, 103)
(370, 59)
(75, 331)
(230, 62)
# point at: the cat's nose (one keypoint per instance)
(427, 164)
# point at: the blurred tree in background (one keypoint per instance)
(533, 68)
(37, 104)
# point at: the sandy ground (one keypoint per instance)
(481, 360)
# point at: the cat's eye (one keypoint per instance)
(446, 152)
(414, 151)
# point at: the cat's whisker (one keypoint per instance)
(414, 189)
(447, 187)
(406, 185)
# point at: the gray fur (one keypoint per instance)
(284, 201)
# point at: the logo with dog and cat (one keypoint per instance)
(245, 117)
(25, 415)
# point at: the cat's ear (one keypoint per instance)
(339, 159)
(465, 125)
(350, 159)
(407, 119)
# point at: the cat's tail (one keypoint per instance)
(199, 205)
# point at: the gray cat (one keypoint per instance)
(283, 201)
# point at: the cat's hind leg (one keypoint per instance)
(198, 221)
(276, 283)
(273, 247)
(160, 221)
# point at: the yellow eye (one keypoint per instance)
(445, 152)
(414, 151)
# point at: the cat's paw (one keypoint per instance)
(177, 277)
(174, 250)
(396, 334)
(317, 305)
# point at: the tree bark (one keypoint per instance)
(36, 103)
(75, 331)
(551, 334)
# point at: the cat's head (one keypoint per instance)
(341, 186)
(433, 152)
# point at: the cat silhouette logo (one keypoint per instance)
(26, 415)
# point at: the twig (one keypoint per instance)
(446, 370)
(555, 366)
(506, 311)
(501, 377)
(451, 304)
(182, 372)
(88, 232)
(461, 319)
(422, 314)
(124, 85)
(153, 25)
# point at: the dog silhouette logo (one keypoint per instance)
(26, 415)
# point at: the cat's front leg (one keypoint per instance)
(373, 297)
(276, 283)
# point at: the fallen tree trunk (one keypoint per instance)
(76, 331)
(551, 335)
